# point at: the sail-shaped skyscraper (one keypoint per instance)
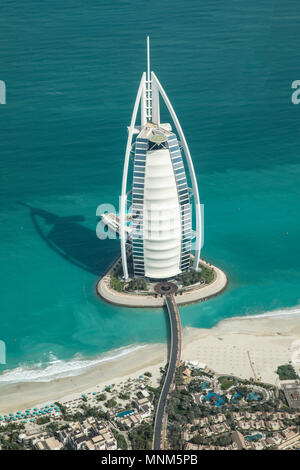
(157, 185)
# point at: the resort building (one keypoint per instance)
(291, 389)
(156, 211)
(48, 444)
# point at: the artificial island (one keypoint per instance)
(159, 201)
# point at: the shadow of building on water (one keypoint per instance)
(74, 242)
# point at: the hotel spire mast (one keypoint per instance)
(148, 58)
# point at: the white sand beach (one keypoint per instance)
(228, 348)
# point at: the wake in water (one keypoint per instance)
(292, 311)
(57, 368)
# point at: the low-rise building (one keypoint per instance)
(48, 444)
(291, 390)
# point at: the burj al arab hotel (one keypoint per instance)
(156, 232)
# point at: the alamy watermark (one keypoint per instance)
(164, 223)
(296, 94)
(2, 352)
(2, 92)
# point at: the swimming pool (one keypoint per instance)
(254, 437)
(125, 413)
(253, 396)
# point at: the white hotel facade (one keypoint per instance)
(161, 201)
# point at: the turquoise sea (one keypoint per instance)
(72, 70)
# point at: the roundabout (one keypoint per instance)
(165, 288)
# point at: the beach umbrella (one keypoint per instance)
(32, 420)
(11, 414)
(35, 409)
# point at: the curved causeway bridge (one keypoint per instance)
(160, 424)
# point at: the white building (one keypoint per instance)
(161, 213)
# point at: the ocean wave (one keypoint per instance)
(291, 311)
(57, 368)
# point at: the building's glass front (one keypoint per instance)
(161, 209)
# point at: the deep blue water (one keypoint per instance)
(72, 70)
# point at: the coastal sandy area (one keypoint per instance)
(246, 347)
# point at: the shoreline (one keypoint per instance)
(225, 348)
